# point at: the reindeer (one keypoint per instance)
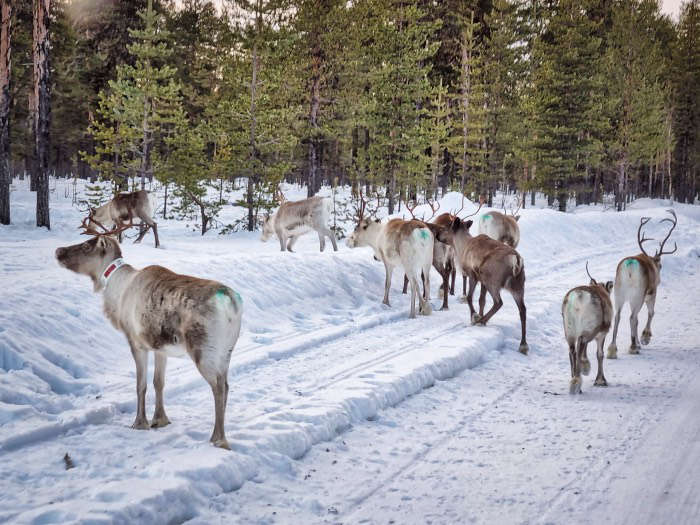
(501, 226)
(492, 263)
(165, 313)
(399, 243)
(294, 219)
(122, 208)
(636, 281)
(586, 313)
(443, 254)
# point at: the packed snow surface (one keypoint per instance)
(343, 410)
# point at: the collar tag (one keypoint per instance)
(111, 268)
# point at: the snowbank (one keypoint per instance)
(317, 354)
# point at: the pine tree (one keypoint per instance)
(635, 91)
(138, 110)
(468, 144)
(686, 118)
(256, 112)
(567, 89)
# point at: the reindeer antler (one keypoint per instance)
(520, 205)
(411, 208)
(280, 196)
(673, 221)
(643, 239)
(454, 214)
(361, 209)
(481, 203)
(89, 230)
(434, 207)
(589, 274)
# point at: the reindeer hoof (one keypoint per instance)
(523, 348)
(476, 318)
(158, 422)
(612, 351)
(634, 349)
(141, 424)
(585, 367)
(600, 381)
(463, 299)
(426, 309)
(646, 337)
(575, 386)
(221, 443)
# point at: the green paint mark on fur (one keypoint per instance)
(487, 217)
(238, 297)
(424, 234)
(631, 262)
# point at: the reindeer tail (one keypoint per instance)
(516, 264)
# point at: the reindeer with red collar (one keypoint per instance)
(165, 313)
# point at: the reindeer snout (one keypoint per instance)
(60, 252)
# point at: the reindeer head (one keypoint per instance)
(268, 229)
(457, 228)
(656, 258)
(365, 232)
(608, 286)
(90, 257)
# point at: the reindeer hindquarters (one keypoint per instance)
(160, 419)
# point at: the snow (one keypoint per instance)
(341, 409)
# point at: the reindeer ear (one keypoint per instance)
(456, 223)
(609, 286)
(377, 221)
(517, 218)
(468, 223)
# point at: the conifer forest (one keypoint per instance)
(403, 100)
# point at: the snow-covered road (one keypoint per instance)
(342, 410)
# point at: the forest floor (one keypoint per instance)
(342, 410)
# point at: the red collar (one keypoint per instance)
(111, 268)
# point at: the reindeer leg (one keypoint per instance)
(322, 240)
(405, 284)
(600, 344)
(151, 224)
(634, 321)
(159, 417)
(583, 359)
(482, 302)
(445, 274)
(649, 300)
(283, 241)
(575, 385)
(425, 307)
(453, 275)
(329, 233)
(387, 283)
(522, 310)
(141, 360)
(469, 296)
(292, 242)
(464, 286)
(497, 303)
(612, 349)
(142, 233)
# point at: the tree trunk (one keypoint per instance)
(253, 148)
(5, 95)
(313, 119)
(42, 121)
